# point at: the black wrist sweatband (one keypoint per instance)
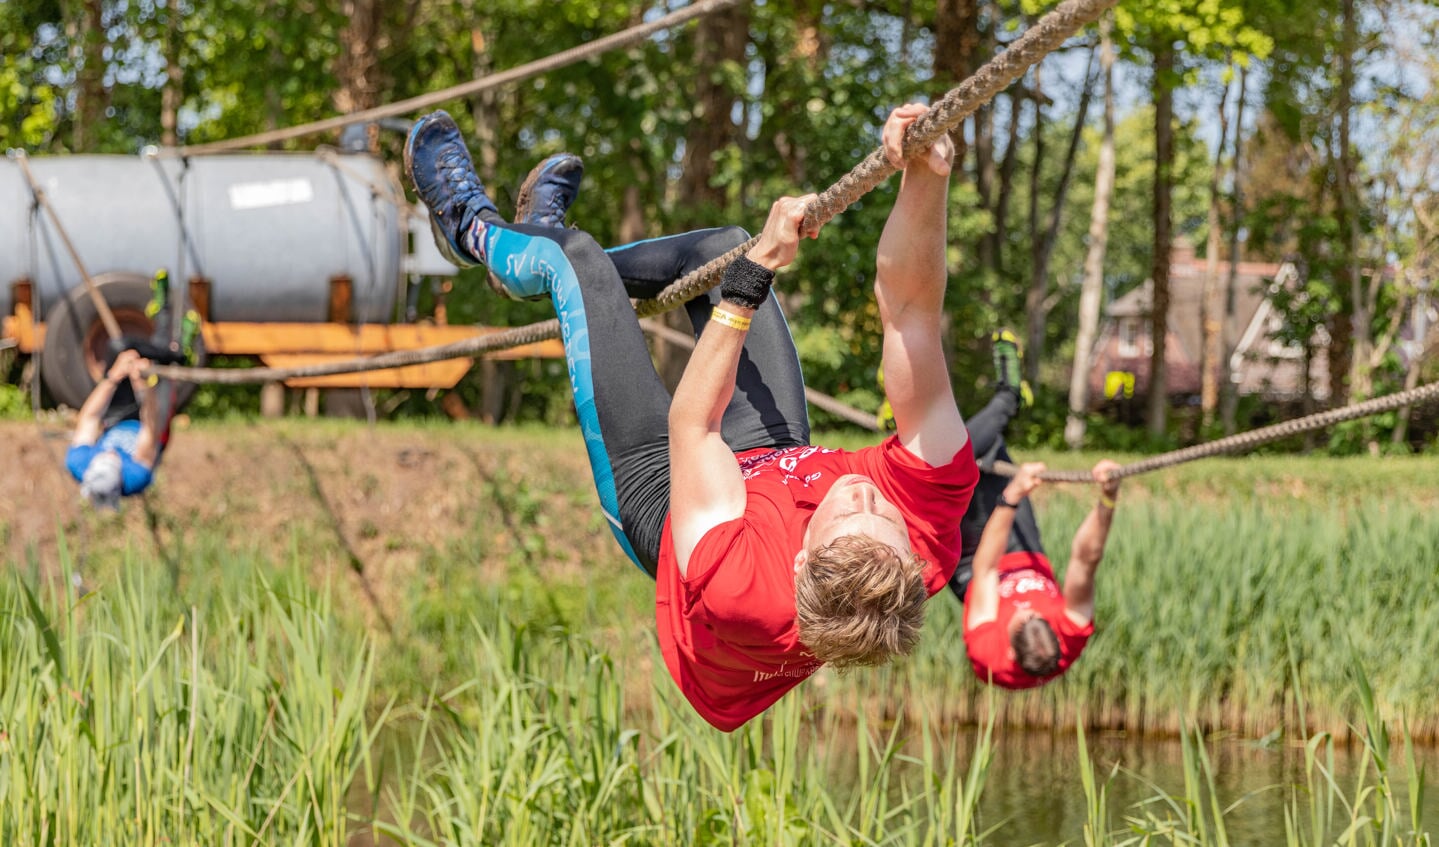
(746, 283)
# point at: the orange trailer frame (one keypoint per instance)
(285, 345)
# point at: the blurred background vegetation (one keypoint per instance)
(1267, 129)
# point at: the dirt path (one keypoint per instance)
(371, 501)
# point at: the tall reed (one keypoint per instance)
(127, 720)
(243, 712)
(1201, 607)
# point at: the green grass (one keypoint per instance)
(129, 718)
(1218, 573)
(247, 713)
(243, 692)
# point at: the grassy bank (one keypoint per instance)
(1225, 581)
(249, 713)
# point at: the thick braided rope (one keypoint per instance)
(959, 103)
(1243, 441)
(558, 60)
(1037, 42)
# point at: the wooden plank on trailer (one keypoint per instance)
(262, 339)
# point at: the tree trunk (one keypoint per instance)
(274, 105)
(1211, 306)
(1159, 267)
(632, 210)
(1034, 296)
(357, 67)
(998, 234)
(1362, 341)
(1093, 288)
(956, 42)
(484, 105)
(498, 380)
(90, 78)
(1039, 280)
(1415, 364)
(1228, 390)
(720, 38)
(984, 175)
(172, 94)
(906, 32)
(1306, 385)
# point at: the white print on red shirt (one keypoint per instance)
(1025, 581)
(800, 671)
(787, 460)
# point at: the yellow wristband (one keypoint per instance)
(1106, 502)
(730, 319)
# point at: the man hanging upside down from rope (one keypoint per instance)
(124, 425)
(772, 556)
(1020, 629)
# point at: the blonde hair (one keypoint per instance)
(859, 602)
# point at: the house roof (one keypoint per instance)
(1186, 290)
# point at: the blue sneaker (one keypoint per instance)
(549, 190)
(545, 196)
(443, 174)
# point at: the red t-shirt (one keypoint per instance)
(1026, 581)
(727, 630)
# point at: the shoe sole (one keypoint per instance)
(409, 152)
(526, 198)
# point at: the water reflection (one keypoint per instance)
(1034, 796)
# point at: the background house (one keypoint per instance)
(1261, 363)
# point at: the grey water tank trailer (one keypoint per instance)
(267, 231)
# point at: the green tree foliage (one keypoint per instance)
(32, 74)
(1130, 233)
(810, 95)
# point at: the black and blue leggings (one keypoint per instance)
(986, 433)
(622, 404)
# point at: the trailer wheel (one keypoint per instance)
(72, 361)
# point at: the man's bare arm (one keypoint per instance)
(147, 445)
(982, 601)
(909, 287)
(1088, 547)
(89, 423)
(706, 486)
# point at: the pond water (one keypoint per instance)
(1033, 793)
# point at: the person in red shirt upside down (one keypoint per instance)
(772, 556)
(1021, 629)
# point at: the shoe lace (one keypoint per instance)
(560, 200)
(455, 167)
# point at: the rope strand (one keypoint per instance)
(464, 89)
(1243, 441)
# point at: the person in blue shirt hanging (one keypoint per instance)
(124, 425)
